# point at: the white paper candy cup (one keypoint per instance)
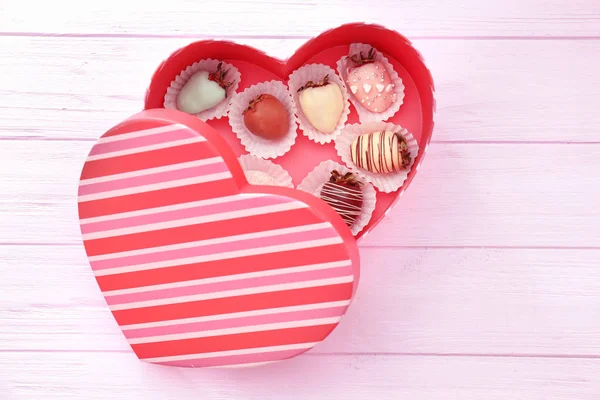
(264, 172)
(315, 73)
(314, 181)
(256, 145)
(210, 65)
(386, 183)
(365, 115)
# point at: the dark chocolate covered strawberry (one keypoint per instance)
(344, 194)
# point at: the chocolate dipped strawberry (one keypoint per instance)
(203, 90)
(344, 194)
(322, 103)
(370, 82)
(380, 152)
(266, 117)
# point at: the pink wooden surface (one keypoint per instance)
(482, 283)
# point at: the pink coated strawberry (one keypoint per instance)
(370, 83)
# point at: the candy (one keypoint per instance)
(369, 82)
(380, 152)
(202, 91)
(267, 117)
(322, 103)
(344, 194)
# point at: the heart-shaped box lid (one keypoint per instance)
(198, 267)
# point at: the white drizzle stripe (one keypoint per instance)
(155, 186)
(233, 293)
(341, 199)
(242, 314)
(150, 171)
(141, 133)
(174, 207)
(237, 330)
(199, 243)
(220, 256)
(229, 278)
(247, 212)
(254, 350)
(144, 149)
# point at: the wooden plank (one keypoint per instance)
(70, 376)
(486, 90)
(464, 195)
(410, 301)
(539, 18)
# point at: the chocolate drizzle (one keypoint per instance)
(380, 152)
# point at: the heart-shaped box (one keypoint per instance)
(202, 269)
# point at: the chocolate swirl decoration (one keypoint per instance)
(380, 152)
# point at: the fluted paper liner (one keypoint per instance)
(365, 115)
(256, 145)
(264, 172)
(210, 65)
(315, 73)
(314, 181)
(386, 183)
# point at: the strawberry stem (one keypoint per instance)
(219, 76)
(253, 103)
(359, 59)
(311, 84)
(403, 148)
(347, 179)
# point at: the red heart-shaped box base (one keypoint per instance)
(416, 113)
(201, 269)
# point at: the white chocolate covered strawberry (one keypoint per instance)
(322, 103)
(369, 82)
(203, 90)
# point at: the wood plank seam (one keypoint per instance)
(81, 35)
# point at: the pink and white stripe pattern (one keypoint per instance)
(196, 272)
